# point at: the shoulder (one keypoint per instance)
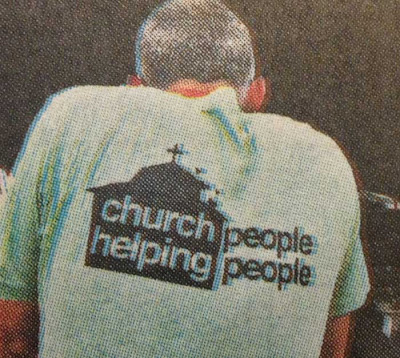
(305, 147)
(87, 95)
(84, 106)
(299, 134)
(108, 101)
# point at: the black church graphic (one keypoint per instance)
(159, 225)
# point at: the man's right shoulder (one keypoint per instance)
(300, 134)
(301, 144)
(295, 134)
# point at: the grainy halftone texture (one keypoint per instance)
(147, 222)
(191, 39)
(333, 65)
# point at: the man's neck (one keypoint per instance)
(194, 89)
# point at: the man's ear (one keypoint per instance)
(258, 95)
(134, 80)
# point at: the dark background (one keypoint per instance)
(333, 64)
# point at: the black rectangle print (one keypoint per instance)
(152, 248)
(159, 225)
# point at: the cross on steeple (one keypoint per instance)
(176, 151)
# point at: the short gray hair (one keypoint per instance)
(194, 39)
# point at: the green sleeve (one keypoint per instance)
(20, 220)
(352, 286)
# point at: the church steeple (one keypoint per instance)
(176, 152)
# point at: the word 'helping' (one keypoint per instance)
(144, 253)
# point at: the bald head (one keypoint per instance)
(200, 40)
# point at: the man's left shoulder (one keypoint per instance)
(81, 106)
(84, 95)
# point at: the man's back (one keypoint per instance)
(174, 227)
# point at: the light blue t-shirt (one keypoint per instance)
(148, 224)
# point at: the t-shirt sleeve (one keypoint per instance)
(20, 219)
(353, 285)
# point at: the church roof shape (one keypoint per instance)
(168, 185)
(159, 175)
(164, 177)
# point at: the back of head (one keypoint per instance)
(195, 39)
